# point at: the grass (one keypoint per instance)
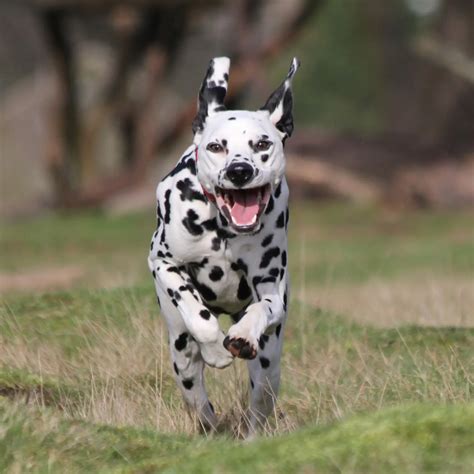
(410, 438)
(378, 365)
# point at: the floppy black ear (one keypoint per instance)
(280, 103)
(212, 92)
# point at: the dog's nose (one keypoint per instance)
(239, 173)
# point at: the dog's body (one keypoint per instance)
(221, 245)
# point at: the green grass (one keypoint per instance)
(334, 241)
(409, 438)
(92, 362)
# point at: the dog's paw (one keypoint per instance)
(214, 353)
(240, 347)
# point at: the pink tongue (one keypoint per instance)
(245, 207)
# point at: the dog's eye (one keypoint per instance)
(263, 145)
(214, 148)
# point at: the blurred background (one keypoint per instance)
(97, 96)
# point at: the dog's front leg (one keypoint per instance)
(259, 336)
(199, 321)
(260, 318)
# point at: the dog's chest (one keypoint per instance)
(219, 281)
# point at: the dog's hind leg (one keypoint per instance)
(264, 372)
(188, 365)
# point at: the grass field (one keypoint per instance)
(378, 366)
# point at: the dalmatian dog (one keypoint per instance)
(221, 245)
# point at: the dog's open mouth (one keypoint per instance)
(243, 207)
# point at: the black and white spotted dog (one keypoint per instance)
(221, 244)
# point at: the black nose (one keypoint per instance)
(239, 173)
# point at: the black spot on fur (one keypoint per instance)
(261, 342)
(188, 193)
(151, 245)
(243, 292)
(190, 223)
(216, 244)
(267, 240)
(170, 292)
(231, 118)
(223, 234)
(163, 235)
(175, 367)
(265, 158)
(186, 162)
(167, 206)
(287, 218)
(216, 273)
(223, 220)
(153, 273)
(285, 301)
(188, 384)
(270, 205)
(210, 224)
(281, 220)
(274, 272)
(240, 265)
(282, 273)
(174, 270)
(268, 255)
(283, 258)
(181, 342)
(205, 314)
(205, 291)
(264, 362)
(278, 330)
(278, 190)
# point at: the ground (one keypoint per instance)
(378, 364)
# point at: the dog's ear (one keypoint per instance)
(280, 103)
(212, 92)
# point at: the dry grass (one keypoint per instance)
(425, 299)
(330, 369)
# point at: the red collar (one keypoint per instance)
(209, 196)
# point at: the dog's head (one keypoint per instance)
(240, 153)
